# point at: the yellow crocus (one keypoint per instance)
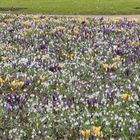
(61, 65)
(60, 28)
(46, 56)
(42, 78)
(68, 55)
(4, 58)
(2, 80)
(97, 131)
(110, 66)
(15, 84)
(82, 20)
(85, 133)
(35, 17)
(105, 66)
(116, 19)
(113, 65)
(116, 59)
(26, 23)
(124, 96)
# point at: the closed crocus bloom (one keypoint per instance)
(2, 80)
(12, 84)
(113, 66)
(85, 133)
(42, 78)
(124, 96)
(21, 83)
(82, 133)
(97, 131)
(71, 55)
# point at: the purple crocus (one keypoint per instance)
(91, 102)
(127, 72)
(40, 110)
(45, 101)
(44, 47)
(132, 130)
(54, 68)
(132, 87)
(119, 52)
(27, 82)
(9, 107)
(67, 102)
(55, 97)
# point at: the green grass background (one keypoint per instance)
(85, 7)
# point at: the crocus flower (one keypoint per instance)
(9, 107)
(16, 84)
(2, 80)
(132, 130)
(97, 131)
(85, 133)
(124, 96)
(127, 72)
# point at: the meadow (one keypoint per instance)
(67, 7)
(69, 78)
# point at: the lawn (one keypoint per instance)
(85, 7)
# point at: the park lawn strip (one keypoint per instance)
(70, 7)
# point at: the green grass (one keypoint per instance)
(85, 7)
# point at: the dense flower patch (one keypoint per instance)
(69, 78)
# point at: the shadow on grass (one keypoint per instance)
(12, 8)
(137, 8)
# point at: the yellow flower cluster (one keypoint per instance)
(16, 84)
(68, 55)
(60, 27)
(125, 96)
(73, 33)
(45, 56)
(113, 20)
(135, 44)
(61, 65)
(117, 59)
(88, 58)
(35, 17)
(1, 80)
(132, 19)
(43, 78)
(96, 131)
(13, 48)
(109, 66)
(4, 58)
(26, 23)
(85, 133)
(82, 20)
(9, 20)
